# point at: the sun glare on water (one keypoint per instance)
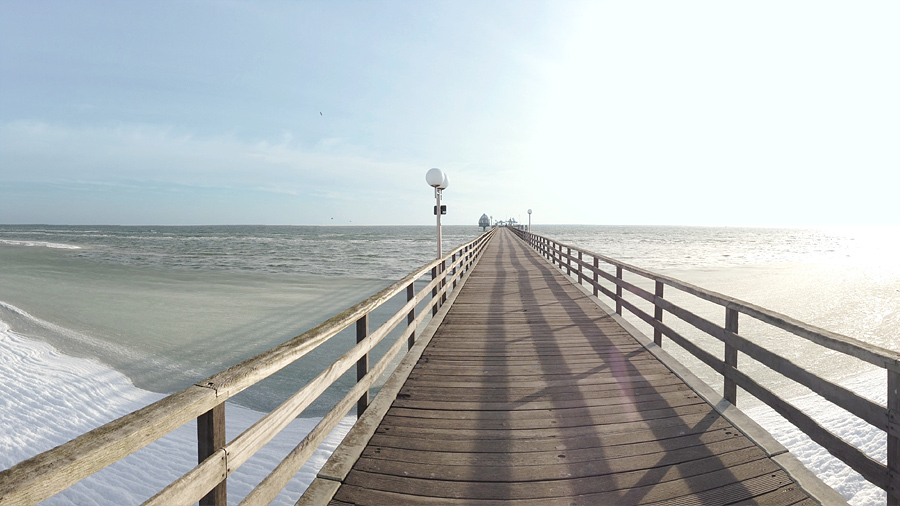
(870, 248)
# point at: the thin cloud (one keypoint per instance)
(41, 152)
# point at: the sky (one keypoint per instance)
(708, 113)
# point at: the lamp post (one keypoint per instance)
(529, 221)
(437, 179)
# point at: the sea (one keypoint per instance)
(97, 321)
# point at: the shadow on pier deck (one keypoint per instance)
(530, 392)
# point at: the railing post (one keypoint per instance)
(658, 313)
(596, 277)
(893, 438)
(453, 263)
(443, 280)
(619, 291)
(580, 271)
(210, 439)
(731, 325)
(568, 260)
(434, 304)
(362, 365)
(411, 317)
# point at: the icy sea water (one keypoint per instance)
(99, 321)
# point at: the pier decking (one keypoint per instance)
(529, 392)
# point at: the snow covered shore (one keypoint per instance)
(47, 398)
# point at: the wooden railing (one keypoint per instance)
(51, 472)
(588, 268)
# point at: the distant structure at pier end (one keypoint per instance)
(484, 222)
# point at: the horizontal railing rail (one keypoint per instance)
(587, 269)
(51, 472)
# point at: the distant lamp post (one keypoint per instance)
(437, 179)
(529, 221)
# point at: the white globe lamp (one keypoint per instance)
(435, 177)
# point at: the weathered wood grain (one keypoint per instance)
(658, 396)
(632, 435)
(581, 450)
(568, 382)
(560, 433)
(211, 438)
(531, 467)
(424, 411)
(194, 484)
(623, 487)
(731, 355)
(421, 399)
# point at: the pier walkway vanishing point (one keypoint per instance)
(530, 392)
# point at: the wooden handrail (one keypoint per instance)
(886, 477)
(881, 357)
(51, 472)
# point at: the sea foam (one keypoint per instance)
(47, 398)
(44, 244)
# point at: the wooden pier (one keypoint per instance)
(519, 386)
(529, 392)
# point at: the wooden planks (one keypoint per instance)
(531, 394)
